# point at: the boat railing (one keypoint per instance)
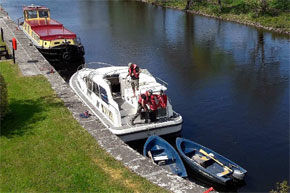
(80, 67)
(18, 21)
(114, 71)
(98, 64)
(78, 40)
(162, 82)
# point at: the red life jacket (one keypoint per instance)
(153, 105)
(162, 100)
(133, 67)
(143, 97)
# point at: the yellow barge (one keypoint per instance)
(51, 38)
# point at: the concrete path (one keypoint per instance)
(27, 56)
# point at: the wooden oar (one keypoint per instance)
(217, 161)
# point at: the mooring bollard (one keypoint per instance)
(2, 35)
(14, 46)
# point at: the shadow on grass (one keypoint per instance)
(24, 114)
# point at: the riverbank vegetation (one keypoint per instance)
(282, 187)
(43, 149)
(268, 13)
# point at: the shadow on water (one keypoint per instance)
(65, 69)
(24, 114)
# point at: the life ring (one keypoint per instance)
(66, 56)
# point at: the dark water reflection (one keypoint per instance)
(230, 82)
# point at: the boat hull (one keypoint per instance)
(156, 147)
(185, 148)
(64, 53)
(160, 131)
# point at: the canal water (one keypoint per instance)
(230, 82)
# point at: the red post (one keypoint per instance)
(14, 44)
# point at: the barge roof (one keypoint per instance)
(50, 30)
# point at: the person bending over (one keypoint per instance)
(144, 99)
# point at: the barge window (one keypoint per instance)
(96, 89)
(43, 13)
(104, 95)
(32, 14)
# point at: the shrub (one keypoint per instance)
(282, 5)
(240, 6)
(3, 98)
(282, 187)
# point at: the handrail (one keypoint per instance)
(113, 71)
(80, 67)
(162, 81)
(19, 20)
(99, 63)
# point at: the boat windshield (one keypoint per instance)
(43, 13)
(32, 14)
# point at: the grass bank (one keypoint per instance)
(269, 14)
(43, 149)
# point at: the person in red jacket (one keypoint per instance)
(134, 73)
(144, 100)
(157, 101)
(154, 104)
(162, 99)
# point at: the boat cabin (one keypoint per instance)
(34, 12)
(44, 31)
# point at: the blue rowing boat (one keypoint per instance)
(164, 155)
(209, 163)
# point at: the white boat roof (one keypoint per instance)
(146, 80)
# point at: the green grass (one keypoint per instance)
(277, 14)
(43, 149)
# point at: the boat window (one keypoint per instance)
(43, 13)
(104, 95)
(56, 43)
(32, 14)
(96, 89)
(89, 84)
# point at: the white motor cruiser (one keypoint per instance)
(109, 95)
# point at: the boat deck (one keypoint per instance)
(126, 110)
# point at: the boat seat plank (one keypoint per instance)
(225, 172)
(160, 158)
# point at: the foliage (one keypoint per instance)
(282, 187)
(3, 98)
(283, 5)
(43, 149)
(271, 13)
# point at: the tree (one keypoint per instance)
(220, 4)
(188, 4)
(263, 4)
